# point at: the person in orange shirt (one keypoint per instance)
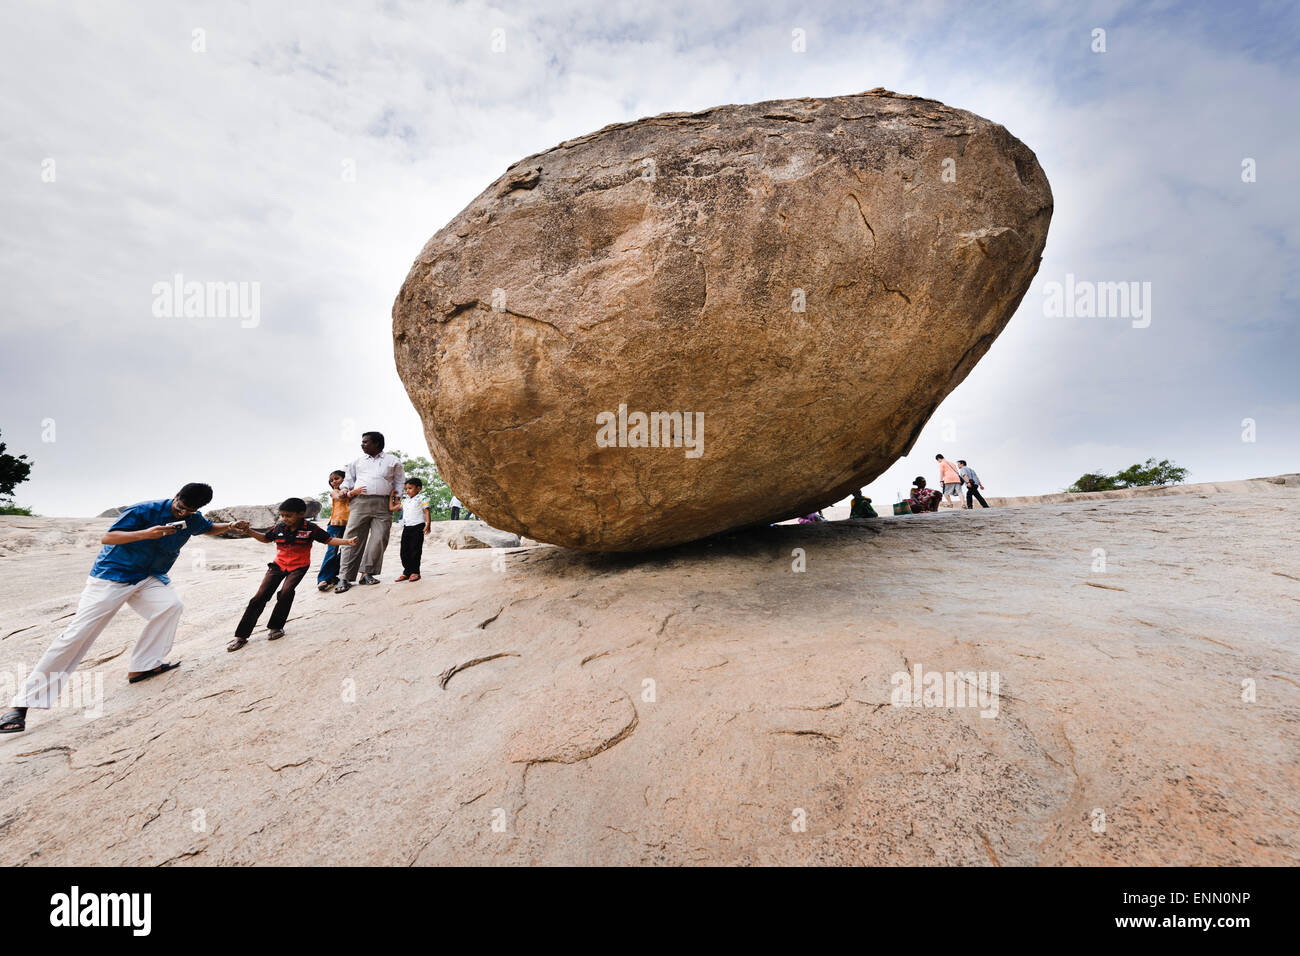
(950, 480)
(328, 576)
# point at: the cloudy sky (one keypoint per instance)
(314, 148)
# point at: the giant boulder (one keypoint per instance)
(807, 278)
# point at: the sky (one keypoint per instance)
(309, 150)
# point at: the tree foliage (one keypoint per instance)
(14, 470)
(1150, 472)
(435, 490)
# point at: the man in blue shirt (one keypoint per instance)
(972, 483)
(139, 549)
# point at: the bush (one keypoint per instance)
(1150, 472)
(14, 470)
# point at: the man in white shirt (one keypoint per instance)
(455, 508)
(372, 484)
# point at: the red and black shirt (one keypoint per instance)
(293, 546)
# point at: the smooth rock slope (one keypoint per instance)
(535, 705)
(792, 286)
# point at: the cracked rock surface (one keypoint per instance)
(808, 278)
(537, 705)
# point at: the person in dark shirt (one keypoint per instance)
(860, 507)
(293, 535)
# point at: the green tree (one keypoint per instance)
(13, 471)
(1151, 472)
(435, 490)
(1093, 481)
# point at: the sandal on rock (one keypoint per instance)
(237, 643)
(275, 635)
(415, 577)
(13, 722)
(162, 668)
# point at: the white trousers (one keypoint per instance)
(154, 601)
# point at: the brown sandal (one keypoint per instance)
(237, 643)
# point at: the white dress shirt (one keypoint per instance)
(380, 474)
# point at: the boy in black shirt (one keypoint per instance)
(293, 535)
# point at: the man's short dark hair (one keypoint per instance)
(961, 461)
(340, 472)
(295, 506)
(415, 481)
(937, 457)
(195, 494)
(377, 436)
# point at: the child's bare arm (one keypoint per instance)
(343, 542)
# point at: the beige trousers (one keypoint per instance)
(370, 522)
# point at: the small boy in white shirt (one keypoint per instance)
(416, 523)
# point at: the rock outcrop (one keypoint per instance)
(259, 516)
(482, 536)
(701, 321)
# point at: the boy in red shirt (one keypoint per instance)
(293, 535)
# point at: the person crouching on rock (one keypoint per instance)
(139, 549)
(924, 499)
(293, 535)
(860, 506)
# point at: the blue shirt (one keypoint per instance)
(132, 563)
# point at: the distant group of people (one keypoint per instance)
(952, 478)
(859, 507)
(144, 542)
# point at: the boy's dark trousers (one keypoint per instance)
(974, 490)
(274, 575)
(412, 548)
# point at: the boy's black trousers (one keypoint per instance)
(274, 575)
(412, 548)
